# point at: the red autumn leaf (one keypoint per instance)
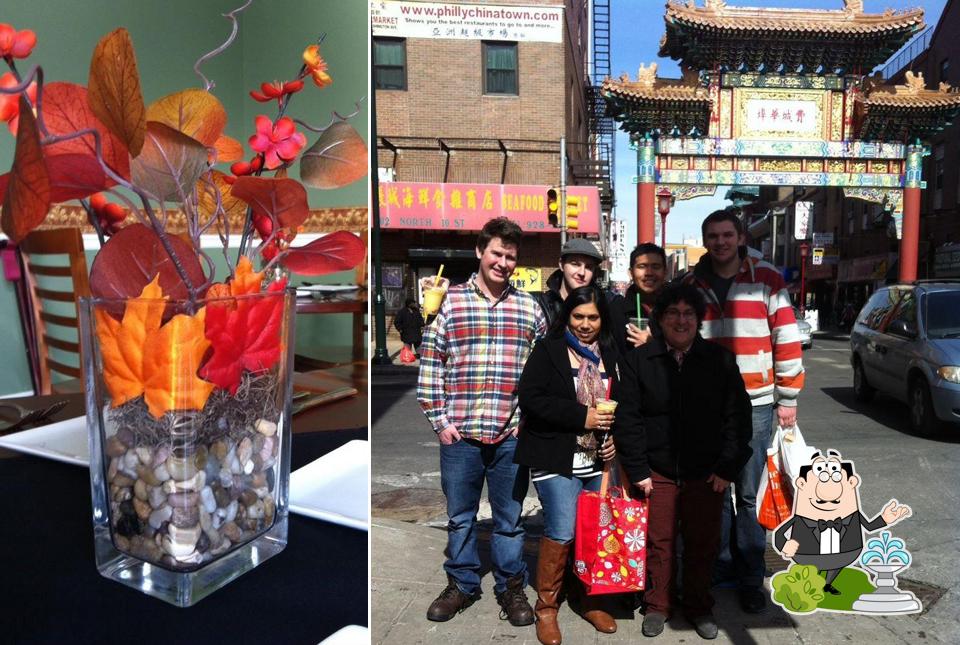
(65, 110)
(74, 176)
(284, 199)
(245, 337)
(131, 258)
(27, 195)
(338, 251)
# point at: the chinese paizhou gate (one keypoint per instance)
(775, 97)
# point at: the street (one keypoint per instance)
(891, 463)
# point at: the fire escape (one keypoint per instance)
(598, 169)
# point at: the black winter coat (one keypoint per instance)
(410, 325)
(683, 423)
(551, 302)
(552, 417)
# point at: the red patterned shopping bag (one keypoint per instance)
(610, 547)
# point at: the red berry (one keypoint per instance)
(240, 168)
(114, 212)
(97, 201)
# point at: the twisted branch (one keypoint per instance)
(232, 16)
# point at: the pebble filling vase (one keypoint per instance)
(188, 500)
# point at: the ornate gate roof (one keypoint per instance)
(771, 40)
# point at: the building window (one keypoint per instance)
(500, 68)
(938, 155)
(944, 69)
(390, 63)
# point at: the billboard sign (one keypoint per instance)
(538, 23)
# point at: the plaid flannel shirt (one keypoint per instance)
(471, 359)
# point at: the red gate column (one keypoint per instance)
(910, 235)
(646, 197)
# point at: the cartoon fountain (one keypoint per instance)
(884, 558)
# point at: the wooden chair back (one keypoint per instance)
(46, 285)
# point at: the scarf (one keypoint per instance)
(589, 384)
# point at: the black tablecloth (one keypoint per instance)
(51, 592)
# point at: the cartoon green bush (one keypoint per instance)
(799, 588)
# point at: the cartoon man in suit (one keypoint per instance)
(826, 529)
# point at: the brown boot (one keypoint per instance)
(551, 562)
(594, 612)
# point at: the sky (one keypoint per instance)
(636, 28)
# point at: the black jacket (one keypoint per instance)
(552, 418)
(551, 302)
(410, 325)
(806, 533)
(683, 423)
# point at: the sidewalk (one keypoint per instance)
(407, 575)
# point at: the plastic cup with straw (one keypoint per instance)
(639, 322)
(433, 295)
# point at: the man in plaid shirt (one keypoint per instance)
(470, 363)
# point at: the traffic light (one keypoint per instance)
(573, 212)
(553, 207)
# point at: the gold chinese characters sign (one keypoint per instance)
(761, 113)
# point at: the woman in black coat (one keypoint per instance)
(563, 438)
(409, 322)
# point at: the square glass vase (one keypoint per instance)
(187, 499)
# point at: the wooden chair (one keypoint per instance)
(40, 275)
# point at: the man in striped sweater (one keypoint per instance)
(749, 313)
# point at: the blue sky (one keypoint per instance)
(637, 26)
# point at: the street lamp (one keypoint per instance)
(804, 249)
(664, 201)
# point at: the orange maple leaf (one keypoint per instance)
(170, 367)
(122, 343)
(246, 280)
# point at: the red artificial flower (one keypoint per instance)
(316, 65)
(276, 90)
(16, 44)
(279, 142)
(10, 103)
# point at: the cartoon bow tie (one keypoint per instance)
(823, 525)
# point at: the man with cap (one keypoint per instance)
(579, 261)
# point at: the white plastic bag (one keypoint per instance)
(793, 452)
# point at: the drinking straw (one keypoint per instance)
(639, 311)
(436, 280)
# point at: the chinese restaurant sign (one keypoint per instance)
(467, 207)
(527, 279)
(466, 21)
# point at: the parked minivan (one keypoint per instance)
(906, 343)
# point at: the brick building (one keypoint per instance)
(471, 103)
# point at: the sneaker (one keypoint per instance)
(449, 603)
(706, 626)
(513, 603)
(653, 624)
(753, 600)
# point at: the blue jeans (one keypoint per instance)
(558, 497)
(463, 468)
(742, 540)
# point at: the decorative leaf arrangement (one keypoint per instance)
(128, 163)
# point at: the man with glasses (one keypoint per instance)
(749, 312)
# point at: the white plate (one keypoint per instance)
(64, 441)
(307, 290)
(335, 487)
(349, 635)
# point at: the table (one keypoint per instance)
(52, 592)
(353, 303)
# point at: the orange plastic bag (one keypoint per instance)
(776, 505)
(407, 355)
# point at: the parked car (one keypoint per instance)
(806, 330)
(906, 343)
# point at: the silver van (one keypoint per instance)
(906, 343)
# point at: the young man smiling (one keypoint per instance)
(648, 271)
(470, 364)
(749, 313)
(579, 260)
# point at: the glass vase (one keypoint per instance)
(189, 478)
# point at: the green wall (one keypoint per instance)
(169, 36)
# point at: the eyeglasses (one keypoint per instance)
(676, 313)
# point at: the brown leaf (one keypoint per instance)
(114, 89)
(131, 258)
(338, 158)
(284, 199)
(207, 196)
(27, 197)
(196, 113)
(228, 149)
(169, 164)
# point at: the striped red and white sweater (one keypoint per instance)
(757, 324)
